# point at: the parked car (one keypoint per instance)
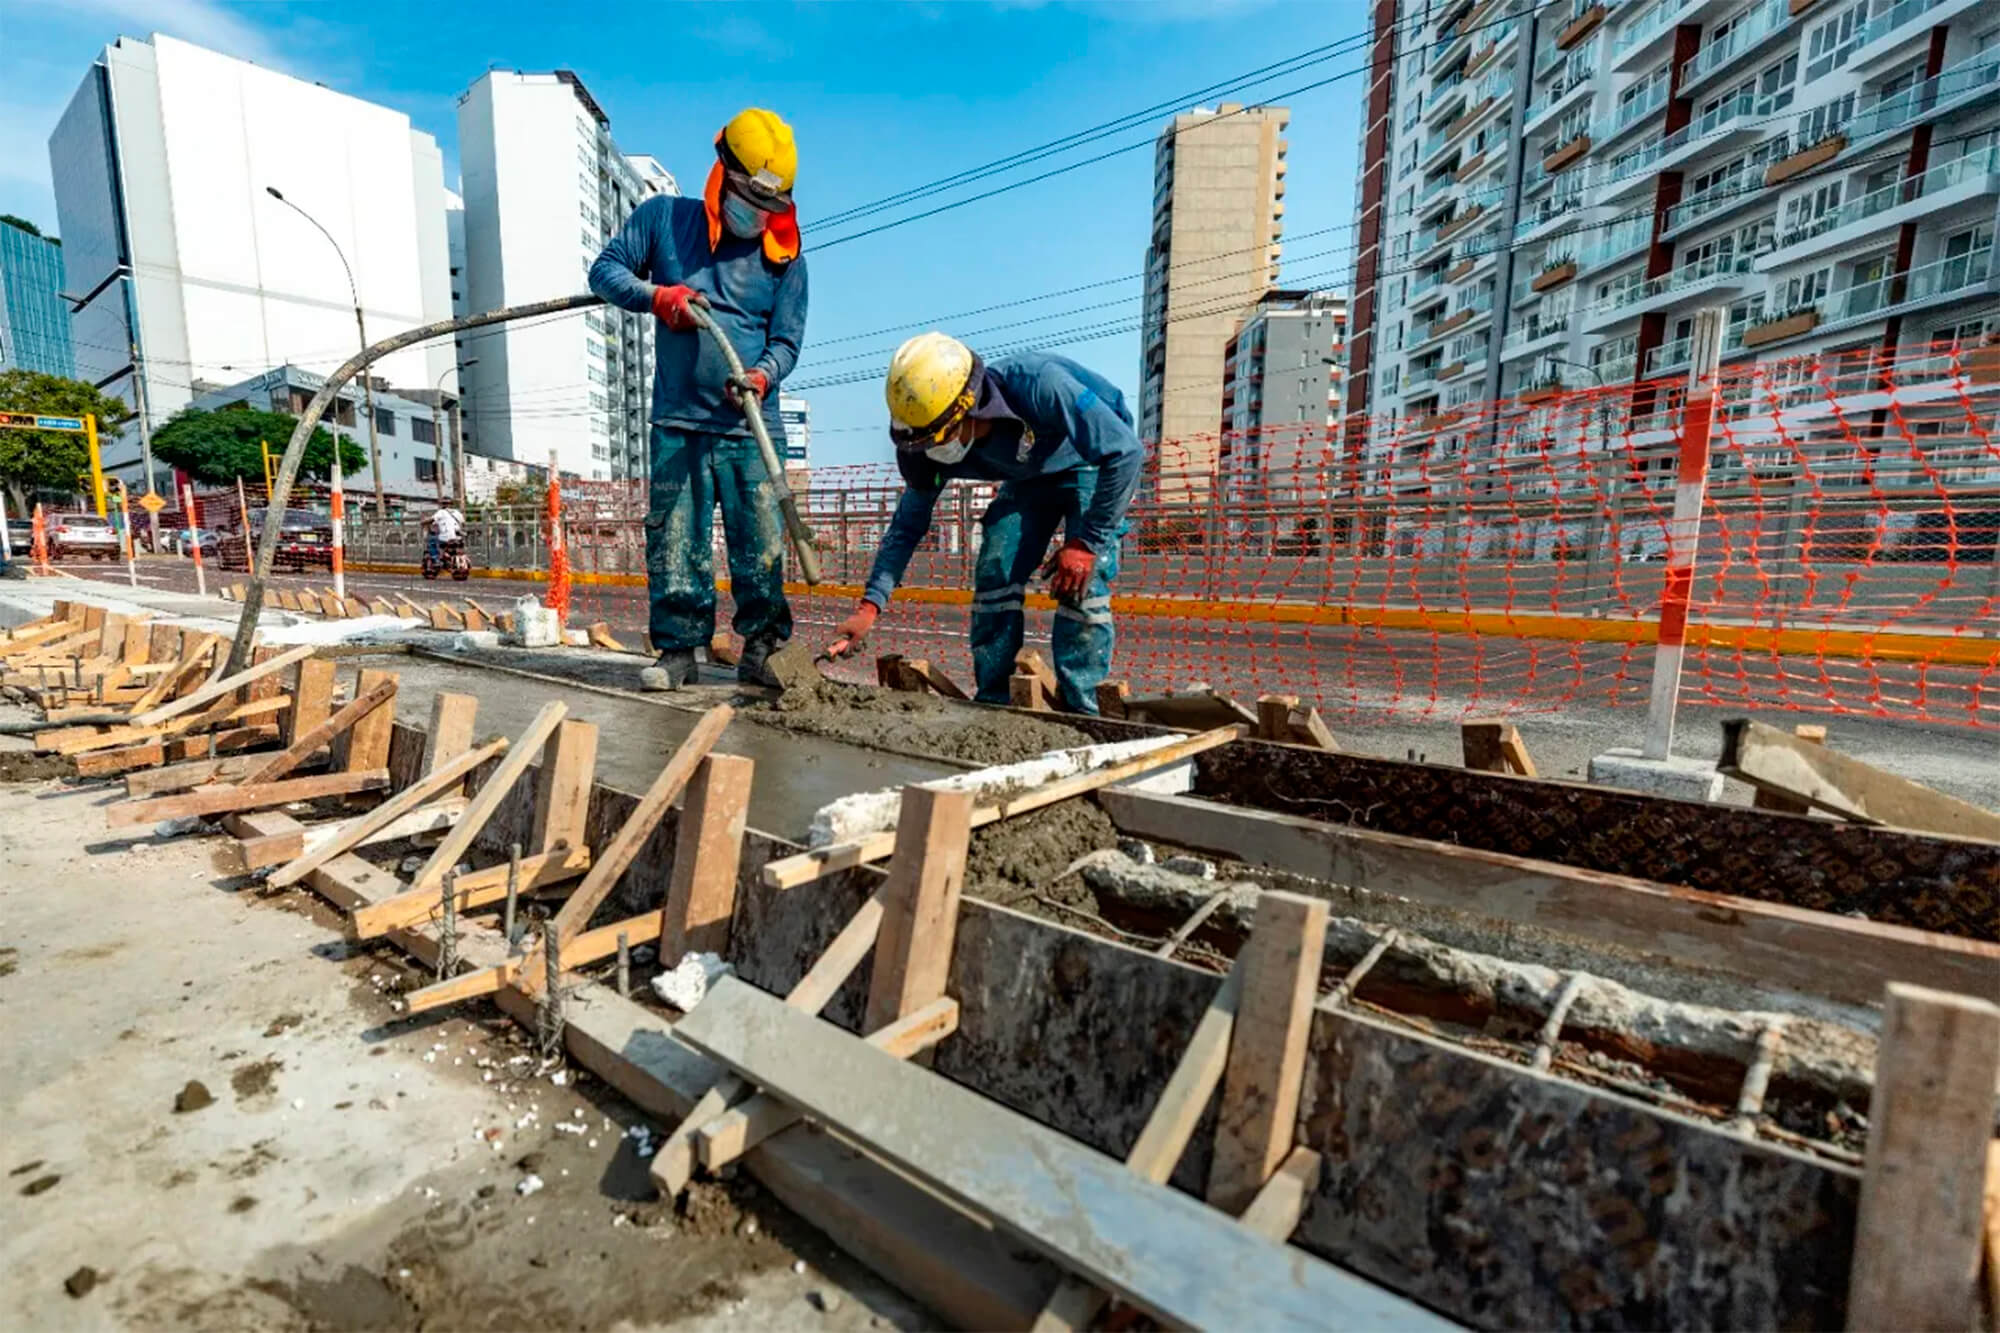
(83, 534)
(305, 541)
(21, 532)
(182, 541)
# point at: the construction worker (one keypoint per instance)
(1059, 440)
(735, 253)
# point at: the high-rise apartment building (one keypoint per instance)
(1218, 187)
(1557, 190)
(795, 415)
(544, 188)
(1281, 404)
(34, 319)
(162, 164)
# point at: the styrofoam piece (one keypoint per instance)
(361, 629)
(535, 625)
(684, 986)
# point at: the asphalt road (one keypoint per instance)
(1392, 692)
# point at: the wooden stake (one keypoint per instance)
(221, 800)
(600, 636)
(1274, 716)
(1260, 1093)
(562, 786)
(1024, 690)
(356, 831)
(473, 889)
(1274, 1214)
(920, 903)
(309, 601)
(312, 696)
(1793, 766)
(227, 685)
(487, 799)
(450, 733)
(366, 743)
(1495, 747)
(475, 616)
(1767, 799)
(1917, 1234)
(382, 695)
(708, 848)
(443, 616)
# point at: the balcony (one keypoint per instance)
(1743, 115)
(1567, 155)
(1545, 214)
(1710, 276)
(1649, 34)
(1884, 38)
(1566, 92)
(1738, 42)
(1739, 191)
(1972, 80)
(1534, 336)
(1669, 357)
(1844, 228)
(1945, 279)
(1616, 369)
(1633, 114)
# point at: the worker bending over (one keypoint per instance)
(1059, 440)
(735, 253)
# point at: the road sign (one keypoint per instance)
(151, 502)
(29, 421)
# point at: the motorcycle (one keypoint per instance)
(438, 555)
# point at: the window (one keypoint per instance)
(1775, 83)
(1803, 290)
(385, 421)
(422, 430)
(1832, 43)
(1804, 215)
(1965, 334)
(596, 374)
(427, 469)
(1822, 122)
(598, 400)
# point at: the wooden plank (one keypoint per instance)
(475, 616)
(487, 799)
(109, 763)
(1202, 708)
(381, 696)
(1480, 744)
(194, 657)
(187, 774)
(227, 685)
(741, 1128)
(271, 838)
(1024, 690)
(1918, 1234)
(617, 857)
(1274, 1214)
(1180, 1261)
(1992, 1242)
(935, 676)
(708, 851)
(475, 889)
(791, 871)
(599, 635)
(221, 800)
(1828, 780)
(1817, 952)
(93, 616)
(164, 644)
(382, 606)
(308, 601)
(365, 745)
(1309, 728)
(332, 605)
(920, 902)
(562, 786)
(1274, 716)
(355, 608)
(222, 715)
(354, 831)
(444, 616)
(450, 732)
(1267, 1055)
(138, 645)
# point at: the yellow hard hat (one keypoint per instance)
(933, 383)
(758, 145)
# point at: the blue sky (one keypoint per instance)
(884, 97)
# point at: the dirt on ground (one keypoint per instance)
(26, 766)
(909, 723)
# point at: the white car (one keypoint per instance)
(83, 534)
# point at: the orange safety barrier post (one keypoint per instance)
(194, 537)
(559, 580)
(339, 510)
(41, 539)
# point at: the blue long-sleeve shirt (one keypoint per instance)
(760, 305)
(1070, 418)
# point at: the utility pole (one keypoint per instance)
(457, 431)
(145, 426)
(437, 444)
(458, 449)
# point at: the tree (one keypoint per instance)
(218, 447)
(47, 459)
(22, 223)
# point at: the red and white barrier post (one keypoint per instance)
(125, 522)
(558, 599)
(339, 533)
(41, 541)
(194, 537)
(1684, 531)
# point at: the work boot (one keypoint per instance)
(673, 670)
(752, 667)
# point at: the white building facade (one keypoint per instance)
(162, 162)
(544, 188)
(1564, 187)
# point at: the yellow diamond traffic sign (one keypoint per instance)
(151, 502)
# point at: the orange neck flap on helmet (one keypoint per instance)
(781, 229)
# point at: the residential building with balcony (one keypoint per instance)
(1218, 211)
(1828, 171)
(1281, 402)
(544, 188)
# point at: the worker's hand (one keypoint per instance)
(756, 381)
(853, 630)
(671, 304)
(1069, 572)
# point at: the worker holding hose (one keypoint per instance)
(1060, 441)
(734, 253)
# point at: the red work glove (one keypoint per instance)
(1069, 571)
(853, 630)
(671, 304)
(756, 381)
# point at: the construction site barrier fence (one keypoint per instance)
(1483, 559)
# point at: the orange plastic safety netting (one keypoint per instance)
(1499, 558)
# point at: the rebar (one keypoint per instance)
(624, 966)
(447, 961)
(507, 931)
(1348, 984)
(549, 1014)
(76, 667)
(1545, 1044)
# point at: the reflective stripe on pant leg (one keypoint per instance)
(680, 558)
(754, 537)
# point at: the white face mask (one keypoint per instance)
(742, 220)
(951, 451)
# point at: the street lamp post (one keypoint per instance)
(458, 438)
(138, 366)
(367, 380)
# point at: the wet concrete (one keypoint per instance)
(637, 733)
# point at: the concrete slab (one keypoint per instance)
(1676, 776)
